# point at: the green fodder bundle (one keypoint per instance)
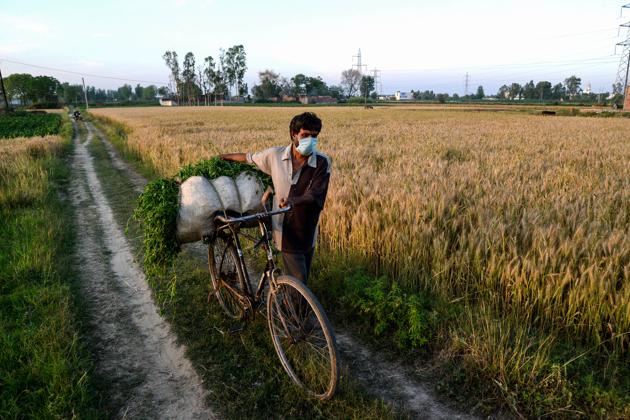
(158, 207)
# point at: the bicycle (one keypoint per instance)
(300, 330)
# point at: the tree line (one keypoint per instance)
(48, 92)
(213, 79)
(569, 90)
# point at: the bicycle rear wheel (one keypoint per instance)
(303, 337)
(227, 277)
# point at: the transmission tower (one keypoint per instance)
(378, 85)
(621, 81)
(358, 65)
(466, 82)
(4, 103)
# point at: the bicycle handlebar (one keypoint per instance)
(262, 215)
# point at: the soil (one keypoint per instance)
(144, 370)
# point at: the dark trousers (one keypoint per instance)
(298, 265)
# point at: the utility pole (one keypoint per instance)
(466, 81)
(85, 94)
(4, 109)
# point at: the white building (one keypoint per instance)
(403, 96)
(588, 89)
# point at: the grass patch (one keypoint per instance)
(45, 370)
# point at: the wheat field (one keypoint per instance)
(528, 216)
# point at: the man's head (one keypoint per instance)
(304, 125)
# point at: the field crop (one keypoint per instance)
(26, 124)
(521, 219)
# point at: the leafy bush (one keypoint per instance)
(28, 124)
(389, 310)
(158, 206)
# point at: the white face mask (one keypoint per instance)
(307, 146)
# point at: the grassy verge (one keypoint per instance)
(45, 371)
(236, 361)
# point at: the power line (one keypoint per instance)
(82, 74)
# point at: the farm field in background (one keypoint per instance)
(521, 218)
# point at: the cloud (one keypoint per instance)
(18, 23)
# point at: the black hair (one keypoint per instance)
(307, 120)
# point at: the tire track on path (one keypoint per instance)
(137, 356)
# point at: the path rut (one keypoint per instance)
(146, 372)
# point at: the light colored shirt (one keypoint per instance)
(276, 162)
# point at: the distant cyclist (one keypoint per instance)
(77, 115)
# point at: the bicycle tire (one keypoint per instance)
(302, 337)
(227, 277)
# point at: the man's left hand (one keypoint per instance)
(285, 202)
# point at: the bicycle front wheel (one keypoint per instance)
(228, 280)
(303, 337)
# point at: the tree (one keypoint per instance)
(350, 80)
(515, 90)
(170, 58)
(138, 91)
(124, 92)
(189, 78)
(235, 67)
(335, 91)
(572, 85)
(558, 91)
(543, 90)
(480, 93)
(367, 85)
(149, 92)
(268, 87)
(504, 92)
(529, 90)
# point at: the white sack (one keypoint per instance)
(200, 200)
(228, 193)
(250, 192)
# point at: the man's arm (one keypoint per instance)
(236, 157)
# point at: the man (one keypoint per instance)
(300, 175)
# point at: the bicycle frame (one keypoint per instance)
(232, 225)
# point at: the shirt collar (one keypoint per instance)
(312, 159)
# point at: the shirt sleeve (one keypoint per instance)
(318, 188)
(261, 159)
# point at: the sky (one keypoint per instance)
(419, 45)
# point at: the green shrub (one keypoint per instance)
(409, 318)
(27, 124)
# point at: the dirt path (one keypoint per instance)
(391, 382)
(145, 371)
(383, 379)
